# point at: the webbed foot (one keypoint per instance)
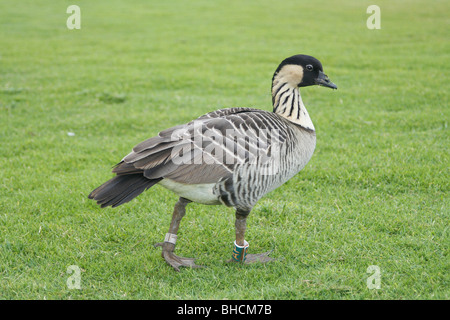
(172, 259)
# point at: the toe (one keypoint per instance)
(260, 257)
(176, 262)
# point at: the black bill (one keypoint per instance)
(324, 81)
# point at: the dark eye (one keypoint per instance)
(309, 67)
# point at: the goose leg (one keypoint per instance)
(168, 246)
(240, 226)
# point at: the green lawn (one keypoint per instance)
(376, 191)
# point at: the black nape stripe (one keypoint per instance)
(279, 89)
(286, 99)
(282, 94)
(279, 99)
(292, 105)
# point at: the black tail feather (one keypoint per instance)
(121, 189)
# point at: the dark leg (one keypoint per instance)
(168, 246)
(240, 226)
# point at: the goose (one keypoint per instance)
(230, 157)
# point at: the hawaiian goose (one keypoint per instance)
(230, 156)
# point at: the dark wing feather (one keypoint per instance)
(121, 189)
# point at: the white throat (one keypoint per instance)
(288, 103)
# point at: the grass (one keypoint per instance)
(376, 191)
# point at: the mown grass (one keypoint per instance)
(374, 193)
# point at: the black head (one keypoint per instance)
(302, 70)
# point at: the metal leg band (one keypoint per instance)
(171, 238)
